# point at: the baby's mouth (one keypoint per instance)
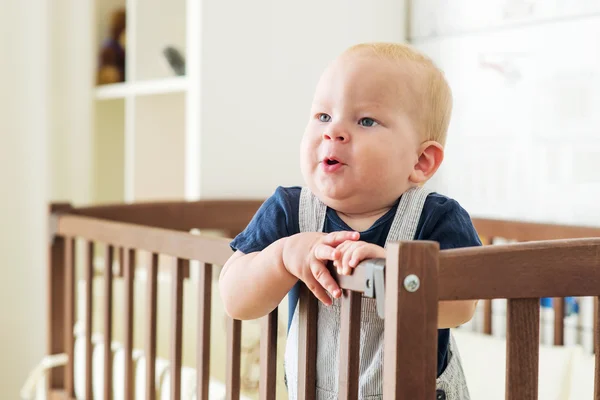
(331, 164)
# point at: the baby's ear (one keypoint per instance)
(431, 155)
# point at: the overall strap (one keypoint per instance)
(311, 214)
(408, 214)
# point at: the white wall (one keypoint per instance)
(523, 141)
(72, 76)
(260, 66)
(23, 140)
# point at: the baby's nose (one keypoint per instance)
(338, 135)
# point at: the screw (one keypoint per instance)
(412, 283)
(368, 283)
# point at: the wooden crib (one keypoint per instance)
(552, 261)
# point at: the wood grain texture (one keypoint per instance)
(596, 332)
(596, 352)
(307, 344)
(129, 271)
(410, 336)
(349, 370)
(558, 303)
(528, 231)
(55, 309)
(151, 317)
(234, 346)
(155, 240)
(69, 253)
(203, 343)
(227, 215)
(556, 268)
(487, 317)
(268, 357)
(177, 277)
(108, 292)
(89, 307)
(522, 349)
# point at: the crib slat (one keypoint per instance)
(129, 271)
(177, 327)
(596, 347)
(203, 343)
(596, 332)
(151, 298)
(349, 345)
(487, 305)
(307, 344)
(234, 347)
(268, 357)
(108, 278)
(120, 272)
(89, 296)
(69, 246)
(558, 304)
(55, 294)
(410, 330)
(522, 349)
(487, 317)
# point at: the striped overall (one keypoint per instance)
(451, 384)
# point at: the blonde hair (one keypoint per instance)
(436, 95)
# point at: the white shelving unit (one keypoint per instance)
(231, 126)
(143, 126)
(142, 88)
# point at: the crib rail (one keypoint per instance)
(531, 231)
(519, 231)
(229, 216)
(100, 226)
(520, 273)
(417, 276)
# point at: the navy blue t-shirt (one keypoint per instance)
(443, 220)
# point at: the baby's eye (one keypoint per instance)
(367, 122)
(324, 118)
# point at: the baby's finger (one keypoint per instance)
(348, 256)
(323, 276)
(337, 238)
(344, 247)
(318, 290)
(324, 252)
(362, 253)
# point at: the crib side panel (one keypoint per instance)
(57, 275)
(529, 231)
(228, 216)
(559, 319)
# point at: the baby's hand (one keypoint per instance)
(305, 255)
(351, 253)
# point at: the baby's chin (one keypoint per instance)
(342, 198)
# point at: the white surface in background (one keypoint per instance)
(524, 141)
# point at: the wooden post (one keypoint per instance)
(56, 295)
(411, 309)
(522, 349)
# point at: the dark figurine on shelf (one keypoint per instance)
(112, 52)
(175, 60)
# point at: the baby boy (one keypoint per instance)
(375, 135)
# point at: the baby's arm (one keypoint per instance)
(252, 285)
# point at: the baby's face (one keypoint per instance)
(360, 145)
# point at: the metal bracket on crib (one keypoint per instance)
(375, 283)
